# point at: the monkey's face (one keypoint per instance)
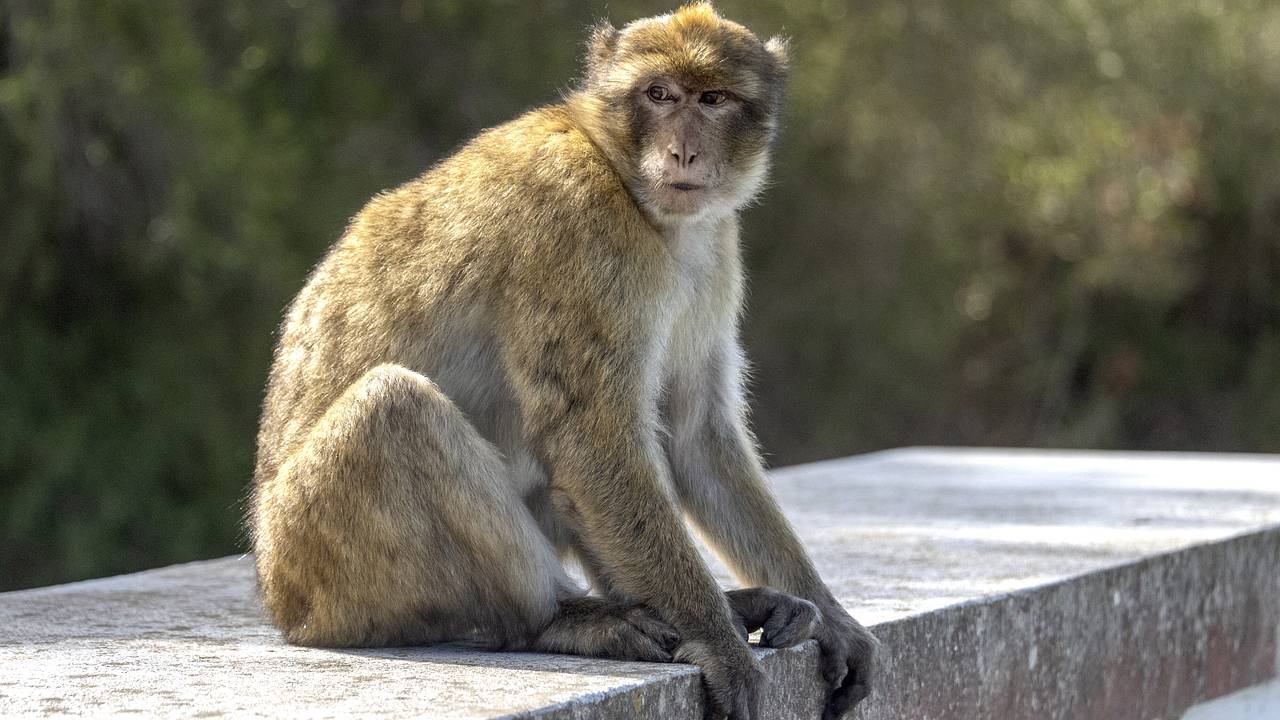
(696, 150)
(696, 98)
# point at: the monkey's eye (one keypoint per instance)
(658, 93)
(713, 97)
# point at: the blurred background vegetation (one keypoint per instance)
(1034, 222)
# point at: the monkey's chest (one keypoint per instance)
(696, 309)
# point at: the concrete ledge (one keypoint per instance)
(1004, 584)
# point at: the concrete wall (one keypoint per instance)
(1004, 584)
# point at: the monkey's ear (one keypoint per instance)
(779, 48)
(603, 41)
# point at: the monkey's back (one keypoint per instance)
(424, 272)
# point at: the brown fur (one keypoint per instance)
(531, 352)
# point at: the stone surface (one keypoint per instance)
(1260, 702)
(1003, 584)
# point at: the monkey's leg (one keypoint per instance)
(609, 626)
(559, 521)
(600, 627)
(395, 523)
(785, 620)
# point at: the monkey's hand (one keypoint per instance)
(848, 660)
(785, 620)
(731, 674)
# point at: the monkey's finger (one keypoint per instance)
(745, 707)
(713, 710)
(835, 665)
(790, 624)
(844, 698)
(751, 606)
(856, 684)
(737, 710)
(775, 626)
(862, 661)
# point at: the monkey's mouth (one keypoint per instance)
(686, 187)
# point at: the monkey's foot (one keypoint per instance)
(599, 628)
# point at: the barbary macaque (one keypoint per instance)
(529, 355)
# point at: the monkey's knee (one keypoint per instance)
(392, 403)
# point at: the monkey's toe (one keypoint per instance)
(653, 627)
(629, 643)
(597, 627)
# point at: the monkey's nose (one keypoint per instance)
(682, 156)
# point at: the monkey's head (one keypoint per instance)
(686, 106)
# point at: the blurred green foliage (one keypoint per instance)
(1040, 222)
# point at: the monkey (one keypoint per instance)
(529, 356)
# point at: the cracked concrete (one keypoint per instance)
(1004, 584)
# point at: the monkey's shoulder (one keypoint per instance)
(543, 185)
(544, 162)
(529, 206)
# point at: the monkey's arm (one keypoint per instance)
(583, 374)
(720, 479)
(721, 482)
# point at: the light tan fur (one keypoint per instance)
(530, 353)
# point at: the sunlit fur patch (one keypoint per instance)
(749, 180)
(697, 48)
